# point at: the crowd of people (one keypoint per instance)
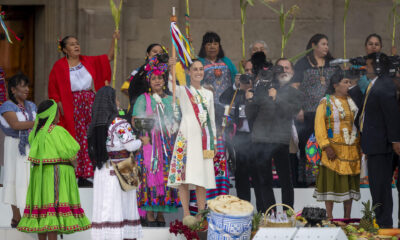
(264, 118)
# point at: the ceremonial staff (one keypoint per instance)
(116, 13)
(173, 19)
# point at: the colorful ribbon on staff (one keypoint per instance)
(182, 46)
(3, 25)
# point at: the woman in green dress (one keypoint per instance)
(52, 202)
(154, 158)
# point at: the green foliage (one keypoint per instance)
(243, 8)
(283, 17)
(346, 9)
(256, 221)
(294, 59)
(367, 221)
(116, 13)
(393, 16)
(203, 217)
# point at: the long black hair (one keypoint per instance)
(104, 111)
(150, 47)
(43, 106)
(315, 40)
(211, 37)
(13, 82)
(138, 83)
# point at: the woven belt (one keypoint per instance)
(118, 154)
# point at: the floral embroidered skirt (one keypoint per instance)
(83, 101)
(156, 198)
(53, 202)
(115, 212)
(221, 177)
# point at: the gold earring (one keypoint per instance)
(149, 89)
(163, 87)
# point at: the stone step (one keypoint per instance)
(13, 234)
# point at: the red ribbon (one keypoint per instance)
(2, 13)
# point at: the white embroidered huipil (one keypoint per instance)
(115, 212)
(197, 170)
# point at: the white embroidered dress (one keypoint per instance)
(115, 212)
(188, 165)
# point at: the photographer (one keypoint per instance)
(270, 111)
(242, 138)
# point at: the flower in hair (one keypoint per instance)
(154, 66)
(59, 49)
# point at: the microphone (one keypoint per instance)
(338, 61)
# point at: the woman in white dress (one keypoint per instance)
(192, 166)
(17, 116)
(110, 138)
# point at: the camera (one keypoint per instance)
(163, 57)
(246, 78)
(392, 62)
(267, 78)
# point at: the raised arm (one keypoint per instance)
(112, 47)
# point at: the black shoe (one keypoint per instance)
(143, 222)
(152, 223)
(83, 182)
(160, 223)
(14, 223)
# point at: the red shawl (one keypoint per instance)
(60, 86)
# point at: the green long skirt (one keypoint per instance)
(52, 201)
(331, 186)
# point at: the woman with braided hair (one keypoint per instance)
(111, 139)
(52, 201)
(154, 158)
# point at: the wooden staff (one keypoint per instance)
(230, 107)
(173, 18)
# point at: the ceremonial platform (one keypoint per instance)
(302, 197)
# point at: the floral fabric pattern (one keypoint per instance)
(83, 101)
(120, 132)
(154, 159)
(177, 172)
(218, 76)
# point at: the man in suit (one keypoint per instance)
(378, 121)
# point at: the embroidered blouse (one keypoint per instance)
(348, 157)
(80, 78)
(120, 137)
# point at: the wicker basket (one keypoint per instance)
(268, 223)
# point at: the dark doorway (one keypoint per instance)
(19, 56)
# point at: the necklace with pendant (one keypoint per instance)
(321, 75)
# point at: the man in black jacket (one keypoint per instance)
(242, 139)
(271, 111)
(378, 121)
